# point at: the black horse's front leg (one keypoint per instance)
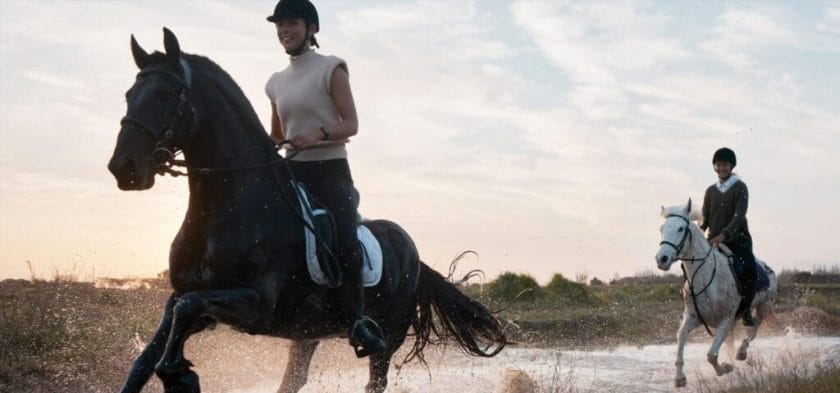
(143, 366)
(239, 307)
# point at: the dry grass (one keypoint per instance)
(518, 381)
(784, 373)
(55, 334)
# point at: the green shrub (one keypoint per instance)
(568, 292)
(508, 285)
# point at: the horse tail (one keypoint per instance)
(443, 310)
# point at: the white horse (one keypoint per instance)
(710, 292)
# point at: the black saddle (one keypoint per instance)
(737, 266)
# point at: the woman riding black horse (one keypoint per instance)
(312, 107)
(239, 256)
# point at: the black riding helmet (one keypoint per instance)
(724, 154)
(303, 9)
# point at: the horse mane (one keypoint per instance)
(224, 84)
(679, 210)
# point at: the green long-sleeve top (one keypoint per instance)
(726, 212)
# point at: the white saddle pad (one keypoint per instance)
(370, 249)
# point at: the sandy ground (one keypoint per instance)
(255, 365)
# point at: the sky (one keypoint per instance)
(545, 136)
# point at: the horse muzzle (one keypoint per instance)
(663, 260)
(130, 176)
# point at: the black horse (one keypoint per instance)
(238, 258)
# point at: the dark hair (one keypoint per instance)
(724, 154)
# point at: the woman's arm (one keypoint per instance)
(342, 96)
(740, 216)
(348, 123)
(705, 209)
(276, 128)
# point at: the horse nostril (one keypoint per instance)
(663, 259)
(123, 169)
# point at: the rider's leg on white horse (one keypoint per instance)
(332, 186)
(742, 248)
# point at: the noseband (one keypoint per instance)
(163, 156)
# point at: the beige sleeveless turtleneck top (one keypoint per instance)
(301, 95)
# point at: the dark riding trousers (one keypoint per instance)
(331, 185)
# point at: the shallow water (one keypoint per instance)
(625, 369)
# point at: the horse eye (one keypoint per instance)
(680, 230)
(165, 95)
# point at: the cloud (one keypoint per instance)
(740, 32)
(598, 46)
(830, 22)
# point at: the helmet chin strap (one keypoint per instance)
(304, 46)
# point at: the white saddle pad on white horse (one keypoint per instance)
(368, 245)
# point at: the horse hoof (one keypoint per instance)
(187, 383)
(725, 368)
(741, 356)
(680, 382)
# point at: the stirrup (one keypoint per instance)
(368, 345)
(748, 318)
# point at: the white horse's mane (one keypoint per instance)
(679, 210)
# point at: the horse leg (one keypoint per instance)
(143, 366)
(723, 330)
(730, 342)
(379, 364)
(763, 310)
(297, 369)
(236, 307)
(689, 323)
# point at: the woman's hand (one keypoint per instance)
(714, 241)
(307, 139)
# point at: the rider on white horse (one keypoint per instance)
(725, 218)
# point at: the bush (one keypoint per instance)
(508, 285)
(569, 292)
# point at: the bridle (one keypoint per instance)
(679, 249)
(163, 156)
(686, 236)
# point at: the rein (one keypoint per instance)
(679, 249)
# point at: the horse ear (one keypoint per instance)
(173, 50)
(663, 210)
(141, 58)
(688, 207)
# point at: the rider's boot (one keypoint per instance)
(746, 312)
(366, 337)
(748, 318)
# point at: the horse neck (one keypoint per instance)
(228, 133)
(700, 256)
